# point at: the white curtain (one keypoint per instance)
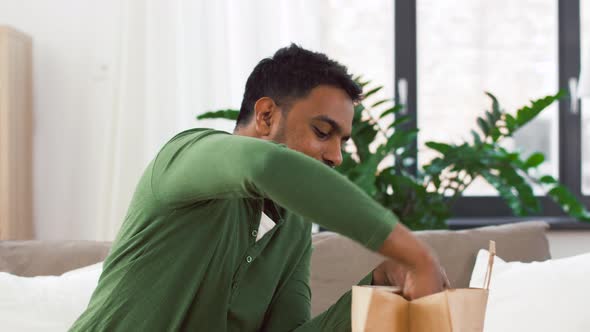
(176, 59)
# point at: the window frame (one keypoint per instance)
(569, 136)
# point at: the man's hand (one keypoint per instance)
(413, 267)
(414, 284)
(389, 273)
(420, 283)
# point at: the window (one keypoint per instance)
(508, 48)
(449, 52)
(348, 35)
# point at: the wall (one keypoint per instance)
(569, 243)
(74, 45)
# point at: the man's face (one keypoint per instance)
(319, 124)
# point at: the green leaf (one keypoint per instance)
(495, 105)
(496, 134)
(524, 115)
(436, 166)
(505, 192)
(440, 147)
(400, 138)
(358, 115)
(380, 102)
(372, 92)
(476, 138)
(348, 164)
(511, 123)
(534, 160)
(491, 119)
(366, 181)
(485, 128)
(528, 113)
(529, 203)
(547, 179)
(393, 110)
(228, 114)
(358, 108)
(569, 203)
(363, 135)
(360, 82)
(399, 121)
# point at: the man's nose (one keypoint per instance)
(333, 157)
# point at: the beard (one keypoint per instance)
(281, 135)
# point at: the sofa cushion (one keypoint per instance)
(45, 303)
(337, 262)
(540, 296)
(37, 258)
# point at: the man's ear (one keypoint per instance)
(265, 116)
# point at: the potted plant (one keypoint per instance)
(423, 197)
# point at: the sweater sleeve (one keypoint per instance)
(205, 165)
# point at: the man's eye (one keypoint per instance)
(320, 134)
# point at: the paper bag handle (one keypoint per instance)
(488, 277)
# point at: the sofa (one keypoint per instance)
(337, 262)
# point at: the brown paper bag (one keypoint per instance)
(378, 308)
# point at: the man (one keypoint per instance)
(218, 234)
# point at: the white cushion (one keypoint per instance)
(538, 296)
(45, 303)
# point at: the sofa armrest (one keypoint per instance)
(33, 258)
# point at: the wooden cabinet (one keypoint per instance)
(16, 135)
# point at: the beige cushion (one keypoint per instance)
(337, 262)
(34, 258)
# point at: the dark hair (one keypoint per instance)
(291, 73)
